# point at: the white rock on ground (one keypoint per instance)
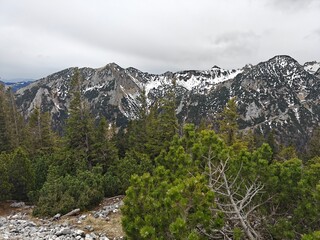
(19, 227)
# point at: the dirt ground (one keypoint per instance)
(110, 227)
(6, 210)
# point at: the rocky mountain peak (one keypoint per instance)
(282, 60)
(282, 64)
(114, 66)
(312, 67)
(276, 94)
(277, 71)
(215, 68)
(133, 70)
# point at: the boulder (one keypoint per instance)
(79, 232)
(17, 205)
(64, 231)
(56, 217)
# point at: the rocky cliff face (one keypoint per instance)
(278, 94)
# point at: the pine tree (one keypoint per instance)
(21, 174)
(13, 132)
(228, 126)
(103, 151)
(79, 129)
(41, 137)
(34, 130)
(5, 141)
(171, 202)
(49, 138)
(153, 145)
(271, 140)
(162, 125)
(286, 153)
(5, 185)
(121, 141)
(137, 129)
(313, 145)
(168, 122)
(17, 124)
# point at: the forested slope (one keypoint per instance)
(187, 182)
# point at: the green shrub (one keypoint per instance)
(117, 179)
(63, 194)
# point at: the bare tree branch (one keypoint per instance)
(234, 198)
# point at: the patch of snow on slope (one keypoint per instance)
(92, 88)
(296, 113)
(156, 82)
(312, 67)
(201, 80)
(206, 83)
(190, 83)
(231, 75)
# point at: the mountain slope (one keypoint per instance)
(278, 94)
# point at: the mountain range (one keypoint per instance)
(16, 85)
(279, 94)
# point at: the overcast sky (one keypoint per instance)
(40, 37)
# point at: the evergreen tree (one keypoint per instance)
(49, 138)
(162, 125)
(306, 217)
(235, 177)
(137, 129)
(228, 126)
(103, 151)
(79, 128)
(5, 185)
(119, 174)
(121, 141)
(313, 145)
(286, 153)
(168, 122)
(170, 203)
(21, 174)
(41, 137)
(153, 145)
(61, 194)
(271, 140)
(16, 125)
(12, 125)
(5, 141)
(40, 166)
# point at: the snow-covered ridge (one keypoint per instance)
(193, 79)
(279, 93)
(311, 67)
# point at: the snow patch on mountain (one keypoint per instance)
(155, 82)
(193, 79)
(278, 94)
(312, 67)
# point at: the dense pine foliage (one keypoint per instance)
(181, 181)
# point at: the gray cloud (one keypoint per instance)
(237, 42)
(39, 37)
(293, 5)
(314, 35)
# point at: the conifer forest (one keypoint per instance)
(180, 180)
